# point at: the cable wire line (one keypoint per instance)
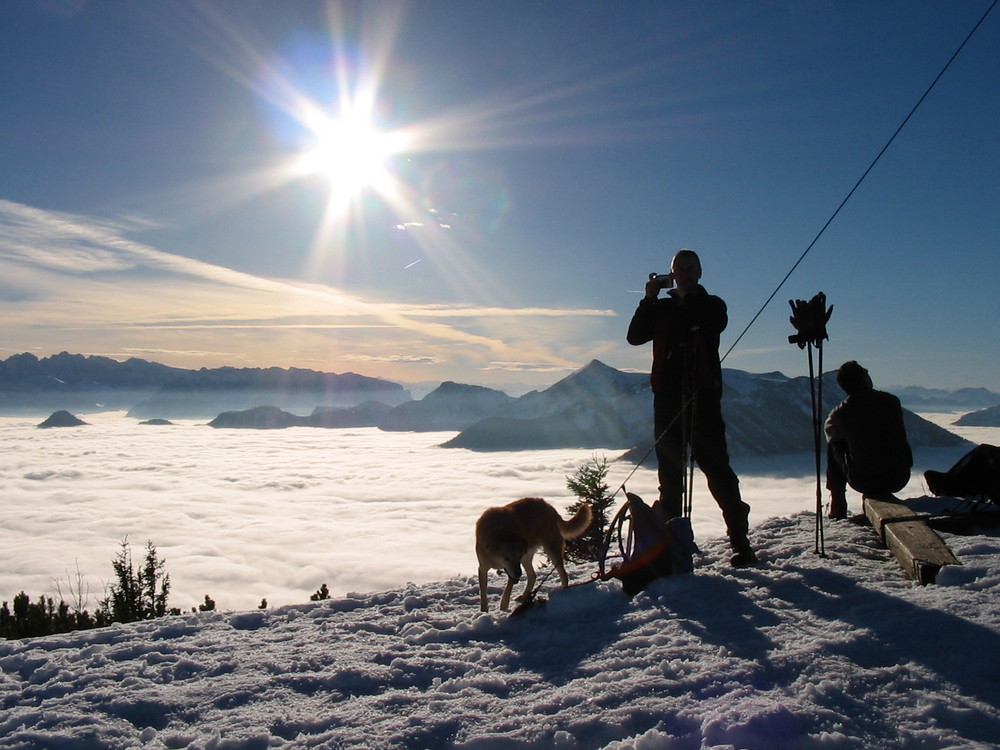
(861, 179)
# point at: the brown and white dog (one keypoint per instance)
(508, 537)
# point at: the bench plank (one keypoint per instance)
(917, 547)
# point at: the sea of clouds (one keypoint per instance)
(245, 515)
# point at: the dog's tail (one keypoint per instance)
(578, 524)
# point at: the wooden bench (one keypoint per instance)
(916, 546)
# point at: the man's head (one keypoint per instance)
(853, 378)
(686, 268)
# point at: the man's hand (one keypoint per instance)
(657, 282)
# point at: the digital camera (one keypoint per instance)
(665, 280)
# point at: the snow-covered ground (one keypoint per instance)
(801, 651)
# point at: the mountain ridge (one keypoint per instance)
(596, 407)
(75, 382)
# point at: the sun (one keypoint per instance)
(351, 153)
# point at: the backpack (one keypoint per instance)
(651, 548)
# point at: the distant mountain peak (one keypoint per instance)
(62, 418)
(450, 387)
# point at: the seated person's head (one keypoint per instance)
(852, 378)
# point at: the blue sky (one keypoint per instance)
(537, 160)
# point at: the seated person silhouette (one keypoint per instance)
(867, 447)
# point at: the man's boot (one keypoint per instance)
(838, 505)
(743, 554)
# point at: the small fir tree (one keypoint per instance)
(588, 484)
(137, 594)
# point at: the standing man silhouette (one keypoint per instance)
(686, 379)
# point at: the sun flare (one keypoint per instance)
(351, 153)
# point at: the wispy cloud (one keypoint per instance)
(66, 274)
(524, 367)
(431, 311)
(397, 358)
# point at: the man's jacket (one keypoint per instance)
(685, 335)
(868, 427)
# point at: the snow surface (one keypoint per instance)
(802, 651)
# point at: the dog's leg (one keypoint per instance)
(529, 570)
(483, 605)
(562, 572)
(556, 553)
(505, 599)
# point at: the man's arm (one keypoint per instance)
(834, 426)
(715, 315)
(640, 330)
